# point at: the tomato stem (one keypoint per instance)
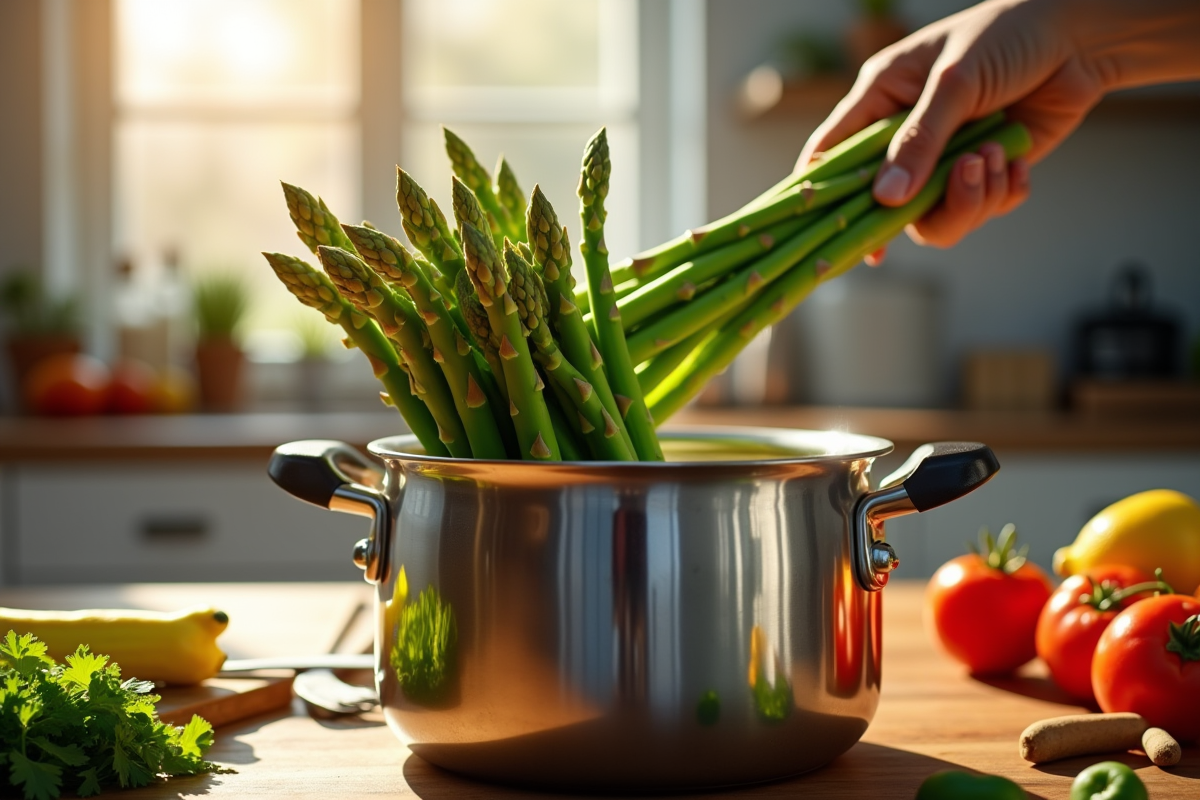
(998, 553)
(1107, 595)
(1184, 638)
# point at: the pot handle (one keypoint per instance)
(932, 476)
(334, 475)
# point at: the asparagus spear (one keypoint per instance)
(468, 209)
(508, 191)
(314, 289)
(866, 235)
(681, 284)
(551, 249)
(598, 427)
(390, 262)
(535, 430)
(750, 279)
(471, 172)
(402, 324)
(653, 372)
(425, 225)
(610, 336)
(570, 445)
(315, 223)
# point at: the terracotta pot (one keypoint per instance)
(220, 368)
(26, 351)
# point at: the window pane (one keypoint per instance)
(546, 154)
(502, 43)
(277, 52)
(212, 192)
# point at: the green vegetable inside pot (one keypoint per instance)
(1108, 780)
(958, 785)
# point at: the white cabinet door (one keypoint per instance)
(170, 522)
(1048, 497)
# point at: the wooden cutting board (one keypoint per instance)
(225, 700)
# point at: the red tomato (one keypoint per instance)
(1077, 613)
(1148, 662)
(67, 385)
(132, 389)
(985, 614)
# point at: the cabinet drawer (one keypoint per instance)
(170, 522)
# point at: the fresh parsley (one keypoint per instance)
(78, 726)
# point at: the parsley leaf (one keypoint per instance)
(79, 725)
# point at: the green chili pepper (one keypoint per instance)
(1108, 780)
(957, 785)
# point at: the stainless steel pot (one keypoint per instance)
(708, 621)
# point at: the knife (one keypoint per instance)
(317, 661)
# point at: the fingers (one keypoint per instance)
(865, 104)
(944, 105)
(981, 186)
(875, 259)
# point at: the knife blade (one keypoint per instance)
(315, 661)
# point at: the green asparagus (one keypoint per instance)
(315, 223)
(551, 249)
(527, 406)
(314, 289)
(472, 173)
(597, 426)
(388, 260)
(508, 191)
(400, 321)
(610, 336)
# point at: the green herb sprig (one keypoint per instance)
(78, 726)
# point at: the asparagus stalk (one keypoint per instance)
(315, 223)
(531, 418)
(610, 336)
(551, 250)
(402, 324)
(598, 427)
(390, 262)
(471, 172)
(314, 289)
(508, 191)
(865, 236)
(682, 284)
(572, 449)
(425, 225)
(468, 209)
(749, 280)
(653, 372)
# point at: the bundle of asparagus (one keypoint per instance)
(467, 333)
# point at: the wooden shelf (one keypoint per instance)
(253, 436)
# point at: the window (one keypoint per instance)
(216, 101)
(533, 79)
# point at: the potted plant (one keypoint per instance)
(873, 29)
(39, 325)
(220, 302)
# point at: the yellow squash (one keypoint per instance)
(1150, 530)
(173, 647)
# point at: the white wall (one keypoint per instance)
(1122, 187)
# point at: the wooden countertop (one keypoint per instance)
(254, 436)
(931, 716)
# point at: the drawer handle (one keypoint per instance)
(175, 529)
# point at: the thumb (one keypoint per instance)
(914, 151)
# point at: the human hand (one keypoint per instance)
(1016, 55)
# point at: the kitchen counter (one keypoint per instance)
(253, 436)
(931, 716)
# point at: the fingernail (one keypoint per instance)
(995, 159)
(972, 170)
(892, 184)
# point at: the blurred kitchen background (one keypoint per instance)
(141, 153)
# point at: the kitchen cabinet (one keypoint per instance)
(166, 521)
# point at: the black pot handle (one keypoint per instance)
(940, 472)
(334, 475)
(932, 476)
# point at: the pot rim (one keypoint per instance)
(794, 446)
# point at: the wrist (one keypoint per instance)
(1124, 44)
